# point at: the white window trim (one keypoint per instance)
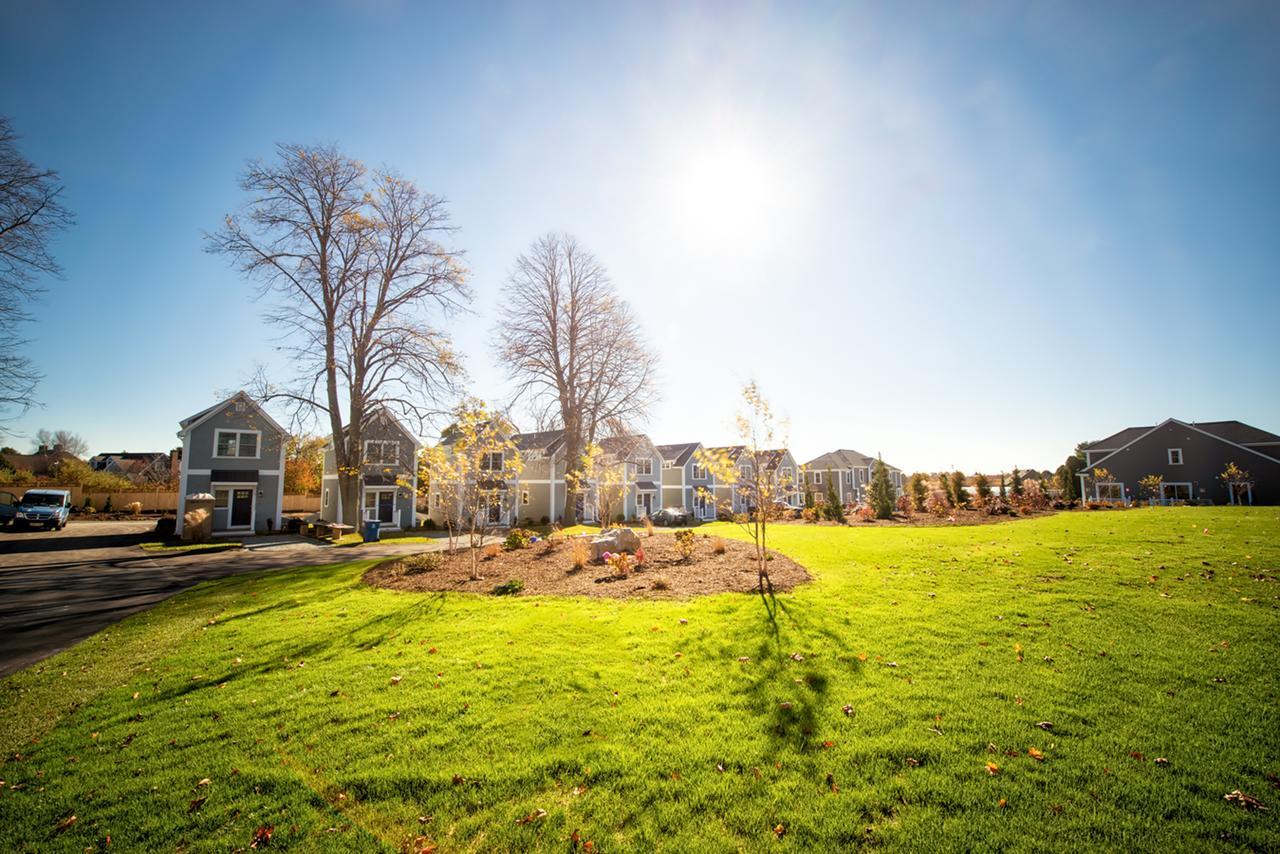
(236, 456)
(525, 498)
(1190, 490)
(1097, 492)
(817, 478)
(253, 504)
(489, 456)
(1171, 452)
(326, 497)
(699, 471)
(395, 509)
(647, 469)
(383, 442)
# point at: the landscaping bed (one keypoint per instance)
(544, 569)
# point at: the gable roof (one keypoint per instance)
(191, 422)
(384, 414)
(730, 451)
(844, 458)
(1236, 432)
(548, 441)
(1143, 432)
(678, 454)
(625, 447)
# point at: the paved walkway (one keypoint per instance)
(59, 587)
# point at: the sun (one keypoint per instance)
(725, 190)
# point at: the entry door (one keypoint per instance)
(495, 511)
(386, 507)
(241, 508)
(646, 503)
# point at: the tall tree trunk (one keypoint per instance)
(572, 459)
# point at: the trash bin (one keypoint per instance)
(371, 528)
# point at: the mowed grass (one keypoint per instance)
(349, 718)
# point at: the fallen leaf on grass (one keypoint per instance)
(912, 762)
(795, 656)
(862, 656)
(532, 817)
(1035, 754)
(1045, 725)
(1160, 760)
(395, 680)
(744, 658)
(1235, 797)
(196, 804)
(1138, 756)
(206, 781)
(262, 836)
(785, 706)
(847, 709)
(65, 823)
(831, 782)
(779, 830)
(1002, 804)
(992, 768)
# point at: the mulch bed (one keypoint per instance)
(543, 572)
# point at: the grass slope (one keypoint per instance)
(1133, 633)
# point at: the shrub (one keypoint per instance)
(660, 583)
(983, 484)
(621, 563)
(919, 491)
(89, 508)
(640, 558)
(718, 546)
(509, 588)
(959, 495)
(684, 544)
(809, 514)
(881, 493)
(491, 551)
(905, 504)
(134, 507)
(865, 513)
(1033, 497)
(428, 524)
(166, 526)
(106, 505)
(937, 503)
(546, 520)
(581, 553)
(518, 538)
(648, 527)
(619, 519)
(420, 563)
(995, 506)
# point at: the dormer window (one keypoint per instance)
(492, 461)
(1175, 456)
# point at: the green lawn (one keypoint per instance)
(1138, 634)
(216, 545)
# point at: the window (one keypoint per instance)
(326, 496)
(535, 454)
(1175, 456)
(435, 501)
(221, 498)
(644, 466)
(667, 464)
(524, 497)
(491, 461)
(817, 478)
(748, 472)
(381, 453)
(699, 472)
(786, 473)
(1109, 491)
(235, 443)
(1176, 491)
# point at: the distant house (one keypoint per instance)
(235, 451)
(686, 482)
(850, 471)
(1189, 456)
(637, 465)
(43, 463)
(138, 466)
(777, 463)
(388, 475)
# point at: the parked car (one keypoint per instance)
(48, 507)
(8, 507)
(671, 516)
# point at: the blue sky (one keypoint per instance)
(960, 234)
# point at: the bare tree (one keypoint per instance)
(574, 348)
(355, 260)
(31, 212)
(73, 443)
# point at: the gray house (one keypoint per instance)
(849, 472)
(388, 476)
(686, 482)
(1190, 456)
(235, 451)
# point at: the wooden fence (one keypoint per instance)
(161, 501)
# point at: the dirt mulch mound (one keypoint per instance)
(551, 572)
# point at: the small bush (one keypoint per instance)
(621, 563)
(106, 507)
(684, 544)
(418, 564)
(89, 508)
(509, 588)
(134, 507)
(640, 558)
(937, 503)
(546, 520)
(866, 512)
(581, 553)
(428, 524)
(648, 527)
(518, 538)
(491, 551)
(166, 526)
(660, 583)
(718, 546)
(904, 504)
(809, 514)
(996, 506)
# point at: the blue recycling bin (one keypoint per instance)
(372, 527)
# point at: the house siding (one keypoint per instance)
(1204, 457)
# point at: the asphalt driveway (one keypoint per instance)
(59, 587)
